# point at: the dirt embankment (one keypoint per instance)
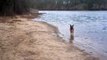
(23, 39)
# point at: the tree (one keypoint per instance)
(70, 4)
(11, 7)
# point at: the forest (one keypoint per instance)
(11, 7)
(70, 4)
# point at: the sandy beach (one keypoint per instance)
(23, 39)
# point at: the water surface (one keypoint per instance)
(90, 28)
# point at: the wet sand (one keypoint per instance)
(23, 39)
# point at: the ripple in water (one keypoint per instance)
(90, 28)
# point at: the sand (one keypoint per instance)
(24, 39)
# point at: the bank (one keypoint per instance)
(23, 39)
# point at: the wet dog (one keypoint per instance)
(72, 29)
(71, 33)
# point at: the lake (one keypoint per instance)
(90, 28)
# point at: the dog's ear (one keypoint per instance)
(71, 25)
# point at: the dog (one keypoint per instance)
(71, 29)
(71, 33)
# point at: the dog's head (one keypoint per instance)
(71, 28)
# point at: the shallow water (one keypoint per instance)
(90, 28)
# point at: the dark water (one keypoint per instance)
(90, 28)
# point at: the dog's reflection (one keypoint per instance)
(71, 33)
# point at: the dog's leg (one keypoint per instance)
(71, 37)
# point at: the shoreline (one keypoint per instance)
(24, 39)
